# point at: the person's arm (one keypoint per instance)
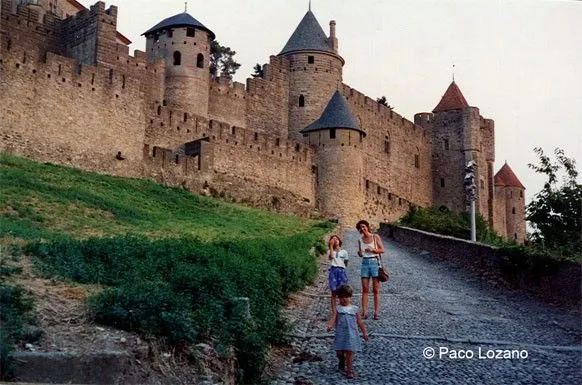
(379, 245)
(362, 326)
(331, 323)
(359, 248)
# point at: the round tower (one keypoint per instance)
(184, 44)
(514, 193)
(315, 72)
(339, 161)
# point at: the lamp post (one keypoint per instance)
(471, 191)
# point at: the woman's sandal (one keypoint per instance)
(365, 316)
(376, 317)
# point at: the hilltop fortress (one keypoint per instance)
(296, 139)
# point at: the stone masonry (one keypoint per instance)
(70, 93)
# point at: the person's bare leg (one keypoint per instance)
(365, 290)
(349, 360)
(376, 289)
(333, 302)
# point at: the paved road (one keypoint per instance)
(431, 304)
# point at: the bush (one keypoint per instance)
(185, 289)
(445, 222)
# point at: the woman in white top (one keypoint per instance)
(337, 271)
(369, 249)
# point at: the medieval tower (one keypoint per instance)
(184, 44)
(315, 72)
(295, 139)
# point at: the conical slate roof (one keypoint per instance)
(180, 20)
(453, 99)
(506, 177)
(337, 114)
(307, 36)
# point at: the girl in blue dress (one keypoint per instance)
(346, 321)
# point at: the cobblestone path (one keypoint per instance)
(429, 304)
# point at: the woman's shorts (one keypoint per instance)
(369, 268)
(337, 277)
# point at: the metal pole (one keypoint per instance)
(473, 223)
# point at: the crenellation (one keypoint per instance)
(160, 114)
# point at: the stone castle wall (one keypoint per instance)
(396, 151)
(71, 94)
(54, 109)
(238, 151)
(267, 107)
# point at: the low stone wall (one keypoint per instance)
(560, 283)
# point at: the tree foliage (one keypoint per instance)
(382, 100)
(222, 61)
(555, 213)
(258, 71)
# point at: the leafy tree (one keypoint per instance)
(222, 60)
(258, 71)
(555, 213)
(382, 100)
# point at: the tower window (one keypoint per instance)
(446, 144)
(170, 32)
(301, 101)
(515, 236)
(513, 210)
(200, 61)
(310, 59)
(442, 182)
(332, 133)
(190, 32)
(417, 161)
(521, 194)
(177, 58)
(387, 147)
(367, 184)
(256, 136)
(379, 190)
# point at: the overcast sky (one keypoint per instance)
(520, 62)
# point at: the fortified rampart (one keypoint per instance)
(71, 93)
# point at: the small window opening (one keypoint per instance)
(442, 182)
(110, 76)
(190, 32)
(256, 136)
(446, 144)
(185, 117)
(332, 133)
(367, 184)
(277, 142)
(177, 58)
(521, 194)
(379, 190)
(387, 147)
(170, 32)
(513, 210)
(301, 101)
(159, 110)
(310, 59)
(200, 61)
(123, 81)
(417, 161)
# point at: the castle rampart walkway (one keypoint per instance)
(429, 304)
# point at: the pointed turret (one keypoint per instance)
(506, 177)
(453, 99)
(315, 72)
(337, 114)
(308, 36)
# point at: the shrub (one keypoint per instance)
(186, 290)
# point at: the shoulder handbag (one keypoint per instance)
(383, 274)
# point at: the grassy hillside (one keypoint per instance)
(171, 264)
(48, 201)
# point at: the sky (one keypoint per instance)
(519, 62)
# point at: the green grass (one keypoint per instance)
(172, 264)
(48, 201)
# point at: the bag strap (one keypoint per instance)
(379, 257)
